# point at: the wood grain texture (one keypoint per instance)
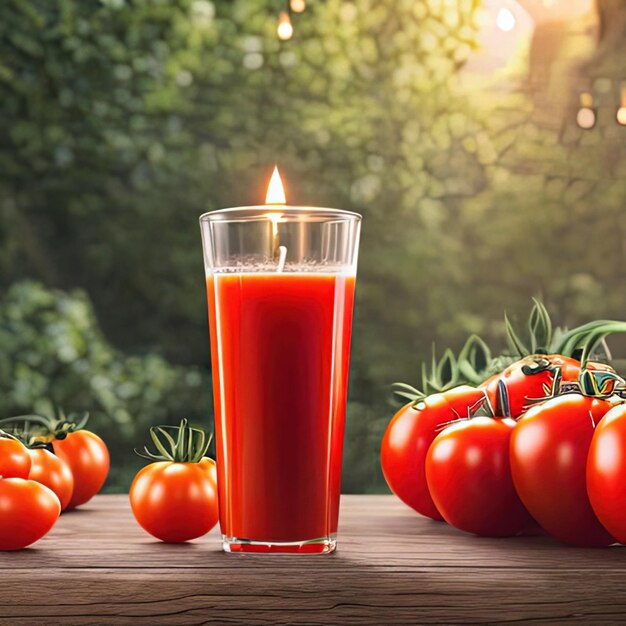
(392, 567)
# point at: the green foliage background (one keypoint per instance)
(123, 120)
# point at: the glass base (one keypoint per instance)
(321, 545)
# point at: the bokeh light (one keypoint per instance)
(586, 118)
(285, 28)
(297, 6)
(505, 20)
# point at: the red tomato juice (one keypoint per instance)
(280, 351)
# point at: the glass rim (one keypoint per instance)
(262, 211)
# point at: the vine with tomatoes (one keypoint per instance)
(533, 440)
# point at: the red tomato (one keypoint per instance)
(549, 448)
(52, 471)
(88, 459)
(606, 472)
(469, 477)
(529, 380)
(408, 437)
(28, 511)
(14, 458)
(176, 502)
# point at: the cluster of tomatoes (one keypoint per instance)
(546, 454)
(59, 468)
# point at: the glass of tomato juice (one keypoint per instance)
(280, 284)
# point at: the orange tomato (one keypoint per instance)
(176, 501)
(28, 510)
(88, 459)
(14, 458)
(52, 471)
(528, 381)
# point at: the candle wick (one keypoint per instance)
(282, 256)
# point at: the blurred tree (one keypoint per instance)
(52, 353)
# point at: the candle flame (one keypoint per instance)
(275, 190)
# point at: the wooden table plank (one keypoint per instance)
(392, 567)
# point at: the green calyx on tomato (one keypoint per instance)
(538, 344)
(6, 435)
(543, 362)
(566, 356)
(30, 440)
(539, 332)
(187, 445)
(447, 372)
(580, 343)
(46, 428)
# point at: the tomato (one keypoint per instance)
(606, 472)
(175, 501)
(527, 381)
(14, 458)
(408, 437)
(28, 511)
(536, 378)
(88, 459)
(52, 471)
(490, 387)
(469, 478)
(549, 448)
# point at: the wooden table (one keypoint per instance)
(392, 567)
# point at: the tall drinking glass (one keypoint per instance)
(280, 286)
